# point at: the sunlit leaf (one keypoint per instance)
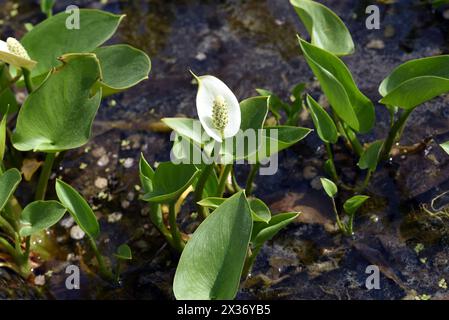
(9, 180)
(416, 82)
(370, 157)
(259, 210)
(54, 118)
(353, 204)
(326, 29)
(263, 232)
(78, 208)
(170, 181)
(212, 261)
(40, 215)
(51, 38)
(339, 87)
(122, 67)
(211, 202)
(445, 146)
(325, 126)
(330, 187)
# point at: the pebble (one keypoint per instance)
(101, 183)
(376, 44)
(309, 172)
(67, 222)
(125, 204)
(114, 217)
(389, 31)
(39, 280)
(103, 161)
(130, 196)
(72, 257)
(322, 100)
(128, 163)
(201, 56)
(98, 152)
(76, 233)
(446, 14)
(316, 183)
(142, 244)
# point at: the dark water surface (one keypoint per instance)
(252, 44)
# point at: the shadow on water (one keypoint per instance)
(252, 44)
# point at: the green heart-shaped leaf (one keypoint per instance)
(259, 210)
(339, 87)
(122, 67)
(326, 29)
(51, 38)
(370, 157)
(416, 82)
(58, 115)
(170, 180)
(263, 232)
(325, 126)
(330, 187)
(353, 204)
(40, 215)
(124, 252)
(9, 180)
(212, 261)
(78, 208)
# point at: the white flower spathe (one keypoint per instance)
(218, 108)
(13, 53)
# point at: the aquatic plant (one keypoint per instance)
(66, 72)
(351, 113)
(223, 248)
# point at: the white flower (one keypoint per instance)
(218, 108)
(13, 53)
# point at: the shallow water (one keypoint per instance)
(252, 44)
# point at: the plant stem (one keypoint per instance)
(104, 271)
(250, 259)
(235, 184)
(26, 254)
(5, 245)
(249, 181)
(365, 182)
(394, 134)
(28, 80)
(350, 228)
(5, 225)
(355, 143)
(44, 176)
(222, 180)
(330, 156)
(201, 183)
(178, 242)
(337, 217)
(117, 271)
